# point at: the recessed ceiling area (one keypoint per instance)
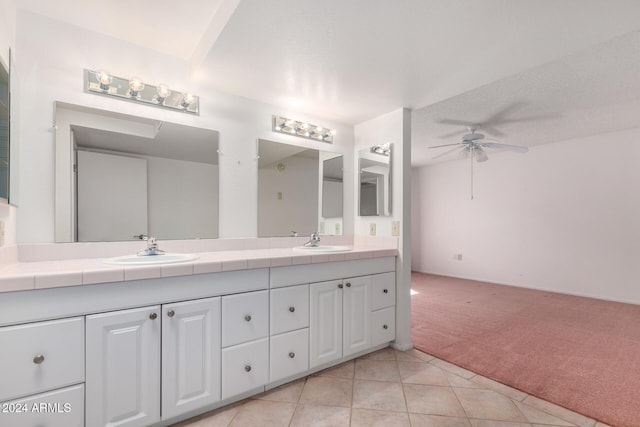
(550, 69)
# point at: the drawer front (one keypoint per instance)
(289, 309)
(383, 326)
(42, 356)
(57, 408)
(245, 317)
(289, 354)
(245, 367)
(383, 288)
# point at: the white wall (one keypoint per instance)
(394, 127)
(563, 217)
(52, 56)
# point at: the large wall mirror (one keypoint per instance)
(119, 176)
(375, 181)
(300, 190)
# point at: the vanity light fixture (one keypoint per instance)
(136, 90)
(303, 129)
(382, 149)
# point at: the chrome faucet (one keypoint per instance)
(152, 246)
(314, 240)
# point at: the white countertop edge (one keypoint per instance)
(24, 276)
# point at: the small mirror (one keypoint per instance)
(4, 131)
(300, 190)
(375, 180)
(133, 176)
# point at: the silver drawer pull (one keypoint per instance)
(247, 368)
(386, 291)
(292, 309)
(340, 286)
(348, 285)
(292, 355)
(153, 316)
(385, 327)
(38, 359)
(171, 313)
(247, 318)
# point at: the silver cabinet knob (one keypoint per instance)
(38, 359)
(292, 355)
(348, 285)
(386, 291)
(385, 327)
(292, 309)
(171, 313)
(340, 285)
(247, 318)
(153, 316)
(247, 368)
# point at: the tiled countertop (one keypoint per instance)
(23, 276)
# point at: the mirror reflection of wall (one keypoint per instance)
(375, 181)
(4, 132)
(135, 176)
(291, 180)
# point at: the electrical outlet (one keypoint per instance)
(337, 228)
(395, 228)
(321, 227)
(279, 196)
(457, 257)
(372, 229)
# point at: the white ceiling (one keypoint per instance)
(571, 62)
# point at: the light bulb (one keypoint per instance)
(333, 132)
(135, 86)
(104, 78)
(163, 92)
(188, 99)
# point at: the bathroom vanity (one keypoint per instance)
(156, 350)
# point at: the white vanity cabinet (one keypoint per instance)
(340, 319)
(289, 330)
(124, 363)
(245, 342)
(191, 339)
(123, 368)
(42, 374)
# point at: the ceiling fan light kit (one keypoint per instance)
(473, 144)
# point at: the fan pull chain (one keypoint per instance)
(471, 158)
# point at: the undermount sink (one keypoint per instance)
(150, 259)
(320, 249)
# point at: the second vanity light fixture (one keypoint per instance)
(303, 129)
(135, 89)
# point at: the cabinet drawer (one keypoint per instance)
(245, 317)
(245, 367)
(57, 408)
(383, 288)
(289, 309)
(36, 357)
(383, 326)
(288, 354)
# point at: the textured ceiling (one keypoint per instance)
(568, 64)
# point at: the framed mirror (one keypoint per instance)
(128, 176)
(374, 167)
(300, 190)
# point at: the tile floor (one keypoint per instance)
(390, 388)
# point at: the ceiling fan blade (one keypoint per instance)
(446, 153)
(480, 155)
(499, 117)
(456, 122)
(451, 134)
(446, 145)
(508, 147)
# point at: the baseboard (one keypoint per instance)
(401, 347)
(517, 285)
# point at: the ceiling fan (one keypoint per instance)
(473, 144)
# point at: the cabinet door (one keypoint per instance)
(325, 324)
(356, 317)
(190, 355)
(123, 368)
